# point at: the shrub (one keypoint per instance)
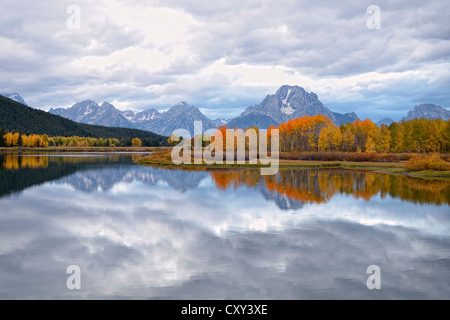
(136, 142)
(431, 162)
(344, 156)
(158, 157)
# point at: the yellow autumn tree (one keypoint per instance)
(330, 138)
(15, 139)
(136, 142)
(370, 145)
(385, 142)
(173, 139)
(9, 139)
(348, 140)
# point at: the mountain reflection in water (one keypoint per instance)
(144, 232)
(290, 188)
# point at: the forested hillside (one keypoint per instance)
(16, 117)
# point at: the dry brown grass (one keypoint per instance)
(163, 157)
(345, 156)
(432, 162)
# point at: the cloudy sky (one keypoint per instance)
(224, 56)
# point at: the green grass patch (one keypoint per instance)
(430, 174)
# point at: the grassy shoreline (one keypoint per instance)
(162, 159)
(84, 149)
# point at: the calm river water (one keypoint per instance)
(151, 233)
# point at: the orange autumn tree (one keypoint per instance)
(269, 137)
(302, 134)
(221, 133)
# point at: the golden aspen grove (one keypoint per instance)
(319, 133)
(35, 140)
(306, 134)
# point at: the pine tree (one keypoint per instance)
(2, 138)
(20, 140)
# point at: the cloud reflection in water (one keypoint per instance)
(139, 232)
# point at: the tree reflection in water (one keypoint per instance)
(320, 185)
(304, 185)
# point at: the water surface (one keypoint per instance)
(150, 233)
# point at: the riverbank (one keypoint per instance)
(163, 159)
(85, 149)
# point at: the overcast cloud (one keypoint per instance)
(224, 56)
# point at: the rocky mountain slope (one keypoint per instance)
(289, 102)
(14, 96)
(428, 111)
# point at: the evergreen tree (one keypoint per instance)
(20, 141)
(2, 138)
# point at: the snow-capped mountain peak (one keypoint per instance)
(16, 97)
(289, 102)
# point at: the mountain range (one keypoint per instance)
(425, 110)
(180, 115)
(289, 102)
